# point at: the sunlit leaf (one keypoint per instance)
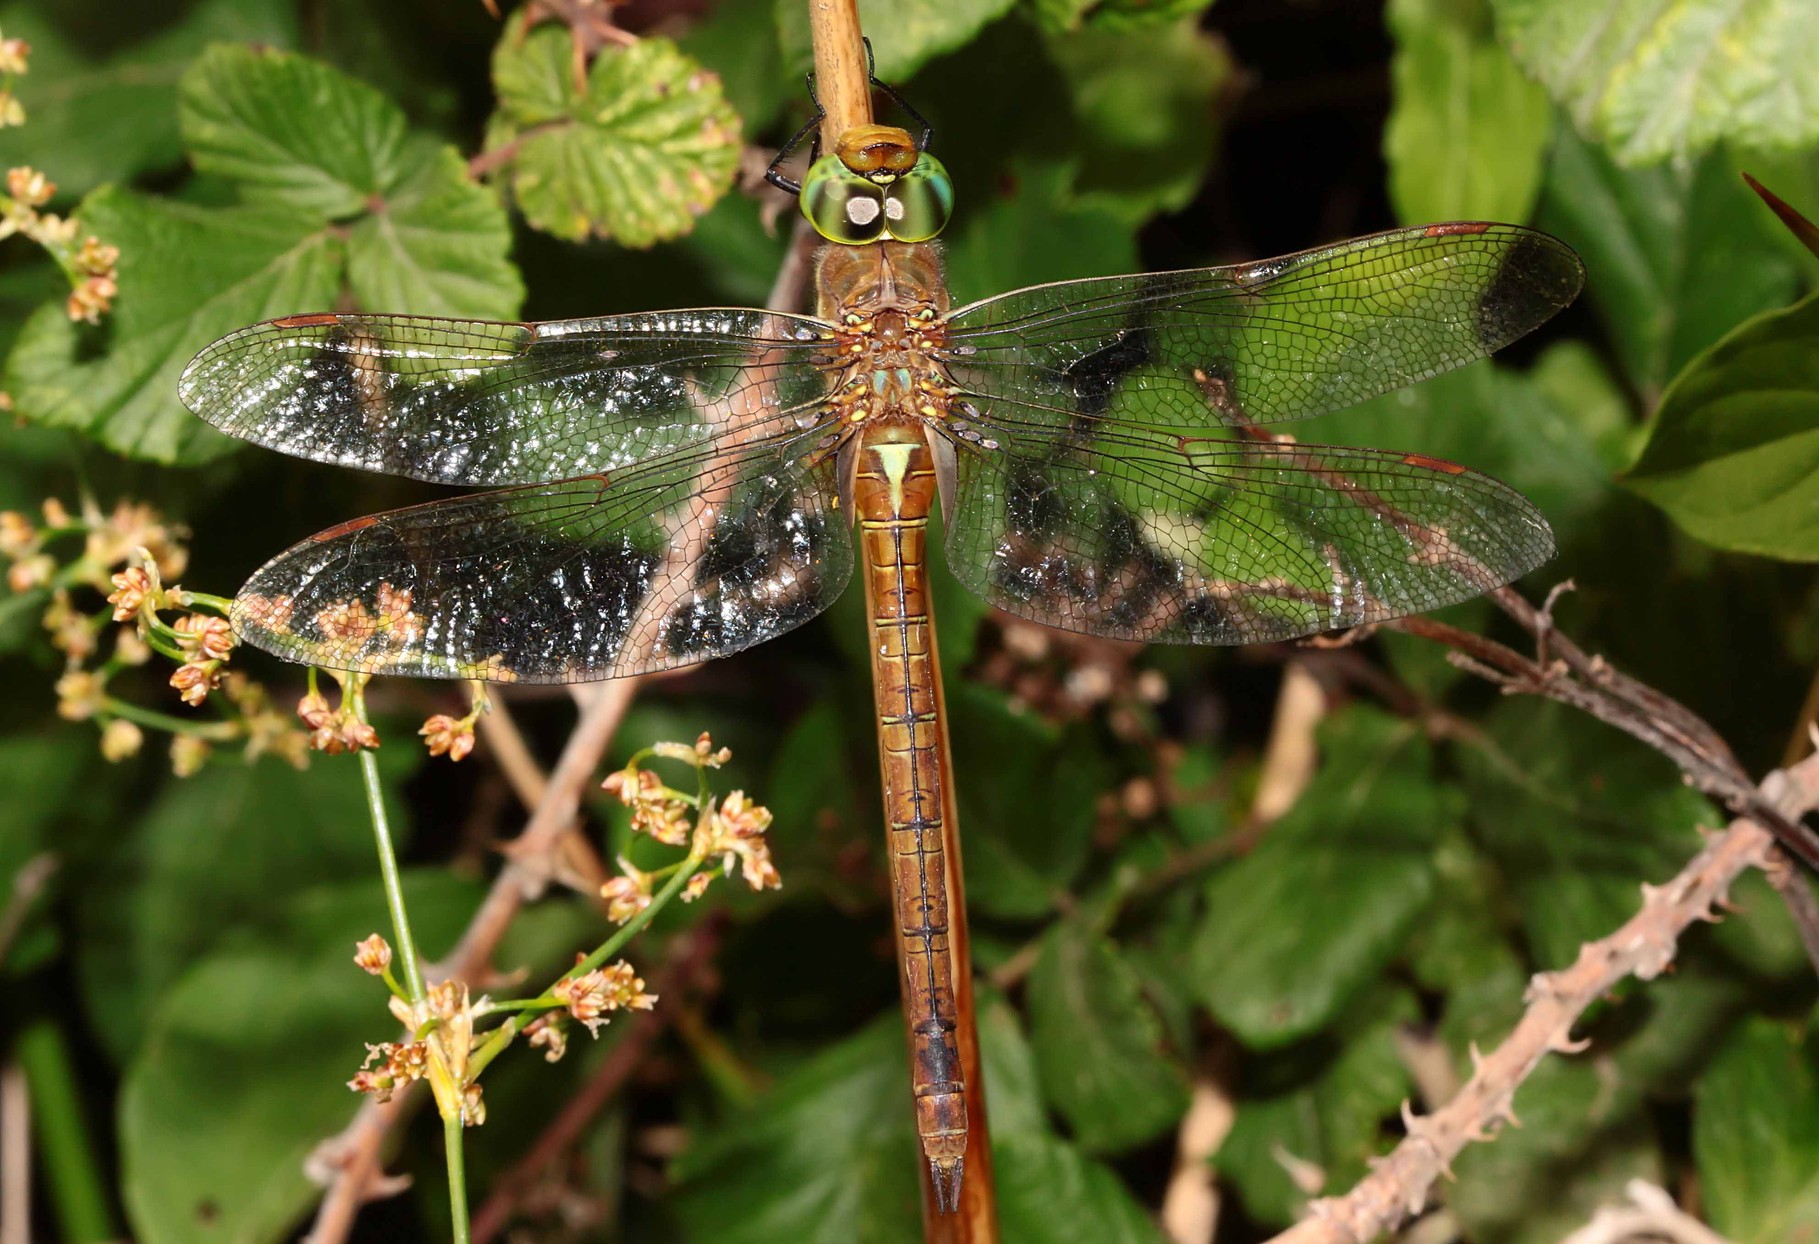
(1467, 132)
(635, 152)
(1675, 257)
(1756, 1136)
(1654, 79)
(334, 190)
(1295, 929)
(1098, 1045)
(1063, 15)
(1733, 456)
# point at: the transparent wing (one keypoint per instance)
(1147, 535)
(691, 556)
(487, 404)
(1263, 342)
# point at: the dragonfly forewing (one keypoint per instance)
(490, 404)
(1262, 342)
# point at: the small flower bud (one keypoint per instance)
(120, 739)
(373, 955)
(27, 185)
(188, 755)
(79, 695)
(131, 588)
(450, 736)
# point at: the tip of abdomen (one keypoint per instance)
(946, 1174)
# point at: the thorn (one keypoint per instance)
(946, 1177)
(1567, 1045)
(1477, 1058)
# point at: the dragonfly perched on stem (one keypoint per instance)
(676, 486)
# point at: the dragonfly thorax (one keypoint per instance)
(884, 304)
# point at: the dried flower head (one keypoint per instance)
(24, 184)
(450, 736)
(399, 1064)
(627, 894)
(195, 679)
(735, 832)
(79, 694)
(547, 1033)
(204, 637)
(17, 535)
(132, 588)
(590, 996)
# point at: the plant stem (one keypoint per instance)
(457, 1177)
(388, 864)
(72, 1171)
(214, 730)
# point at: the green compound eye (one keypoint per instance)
(843, 206)
(918, 203)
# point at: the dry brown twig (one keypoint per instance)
(1651, 1215)
(1398, 1185)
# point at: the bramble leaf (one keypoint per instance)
(1669, 79)
(635, 153)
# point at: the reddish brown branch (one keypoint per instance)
(1399, 1184)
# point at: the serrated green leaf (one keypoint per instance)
(1733, 456)
(1050, 1193)
(291, 131)
(1320, 1104)
(905, 34)
(1654, 79)
(1756, 1136)
(1097, 1043)
(1467, 132)
(330, 177)
(1294, 930)
(187, 275)
(1675, 257)
(99, 118)
(243, 1064)
(1144, 114)
(1577, 815)
(213, 854)
(645, 146)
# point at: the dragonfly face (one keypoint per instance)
(877, 184)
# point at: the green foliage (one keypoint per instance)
(636, 153)
(1297, 928)
(1652, 81)
(1756, 1135)
(1467, 136)
(1732, 454)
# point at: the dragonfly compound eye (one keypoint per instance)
(918, 203)
(843, 206)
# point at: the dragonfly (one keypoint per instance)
(669, 487)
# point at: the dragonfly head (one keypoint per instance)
(877, 184)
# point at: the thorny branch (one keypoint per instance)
(1564, 672)
(1397, 1187)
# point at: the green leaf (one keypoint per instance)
(213, 854)
(334, 190)
(905, 34)
(740, 44)
(1144, 114)
(1098, 1045)
(1297, 928)
(1671, 78)
(1467, 133)
(1026, 793)
(290, 130)
(40, 773)
(1733, 456)
(639, 151)
(1756, 1136)
(187, 275)
(1050, 1193)
(1060, 16)
(1030, 231)
(1317, 1104)
(1576, 815)
(97, 118)
(242, 1068)
(1676, 257)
